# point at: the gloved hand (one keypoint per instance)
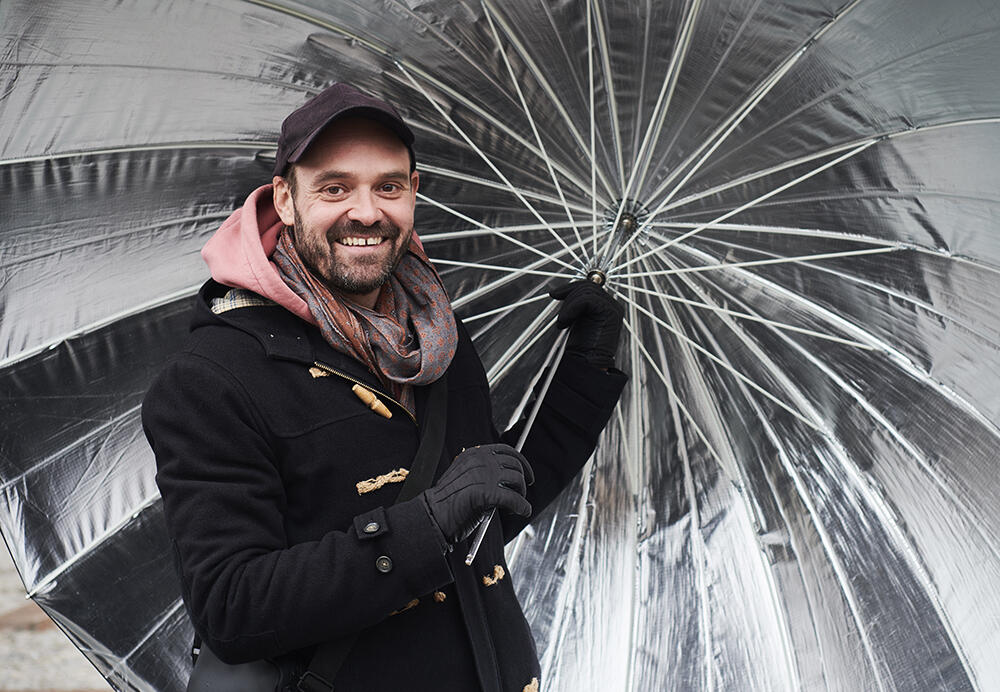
(480, 478)
(595, 319)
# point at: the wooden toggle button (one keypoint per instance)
(371, 401)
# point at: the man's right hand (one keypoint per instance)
(479, 479)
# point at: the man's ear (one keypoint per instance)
(414, 184)
(283, 200)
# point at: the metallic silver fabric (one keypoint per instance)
(797, 201)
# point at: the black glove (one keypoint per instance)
(596, 320)
(479, 479)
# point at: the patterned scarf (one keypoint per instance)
(409, 338)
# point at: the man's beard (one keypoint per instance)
(356, 277)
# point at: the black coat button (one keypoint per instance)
(383, 564)
(371, 527)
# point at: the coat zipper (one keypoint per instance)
(338, 373)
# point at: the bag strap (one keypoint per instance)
(330, 655)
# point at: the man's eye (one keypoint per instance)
(333, 190)
(391, 187)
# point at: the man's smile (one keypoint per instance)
(358, 241)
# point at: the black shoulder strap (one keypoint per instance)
(432, 430)
(330, 656)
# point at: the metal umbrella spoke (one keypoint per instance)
(639, 167)
(797, 259)
(710, 144)
(781, 188)
(486, 159)
(500, 234)
(531, 121)
(748, 316)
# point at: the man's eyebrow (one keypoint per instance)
(327, 176)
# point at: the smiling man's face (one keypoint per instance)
(352, 207)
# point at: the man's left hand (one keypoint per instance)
(594, 319)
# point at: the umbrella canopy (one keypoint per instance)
(795, 201)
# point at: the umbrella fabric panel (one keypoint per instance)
(81, 513)
(74, 266)
(128, 578)
(75, 464)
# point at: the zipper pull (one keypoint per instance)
(371, 401)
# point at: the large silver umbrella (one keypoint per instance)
(796, 202)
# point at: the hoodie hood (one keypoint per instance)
(238, 255)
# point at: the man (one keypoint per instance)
(279, 483)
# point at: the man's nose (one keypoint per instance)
(365, 209)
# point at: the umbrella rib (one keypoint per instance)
(898, 193)
(479, 231)
(797, 259)
(602, 44)
(494, 267)
(775, 230)
(520, 243)
(567, 597)
(386, 53)
(97, 239)
(534, 128)
(750, 177)
(593, 127)
(98, 324)
(483, 156)
(521, 345)
(895, 295)
(719, 63)
(755, 523)
(635, 470)
(86, 550)
(882, 421)
(721, 134)
(896, 355)
(763, 173)
(824, 537)
(847, 84)
(495, 284)
(672, 393)
(697, 540)
(549, 364)
(505, 308)
(753, 318)
(673, 74)
(532, 382)
(716, 359)
(540, 78)
(165, 146)
(483, 182)
(781, 188)
(875, 498)
(655, 124)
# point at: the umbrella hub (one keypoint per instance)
(625, 220)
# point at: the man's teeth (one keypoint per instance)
(369, 240)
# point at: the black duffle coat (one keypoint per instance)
(260, 445)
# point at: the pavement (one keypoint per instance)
(34, 654)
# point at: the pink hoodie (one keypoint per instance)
(238, 254)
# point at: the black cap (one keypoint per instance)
(302, 126)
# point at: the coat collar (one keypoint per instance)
(282, 335)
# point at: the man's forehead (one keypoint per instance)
(342, 135)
